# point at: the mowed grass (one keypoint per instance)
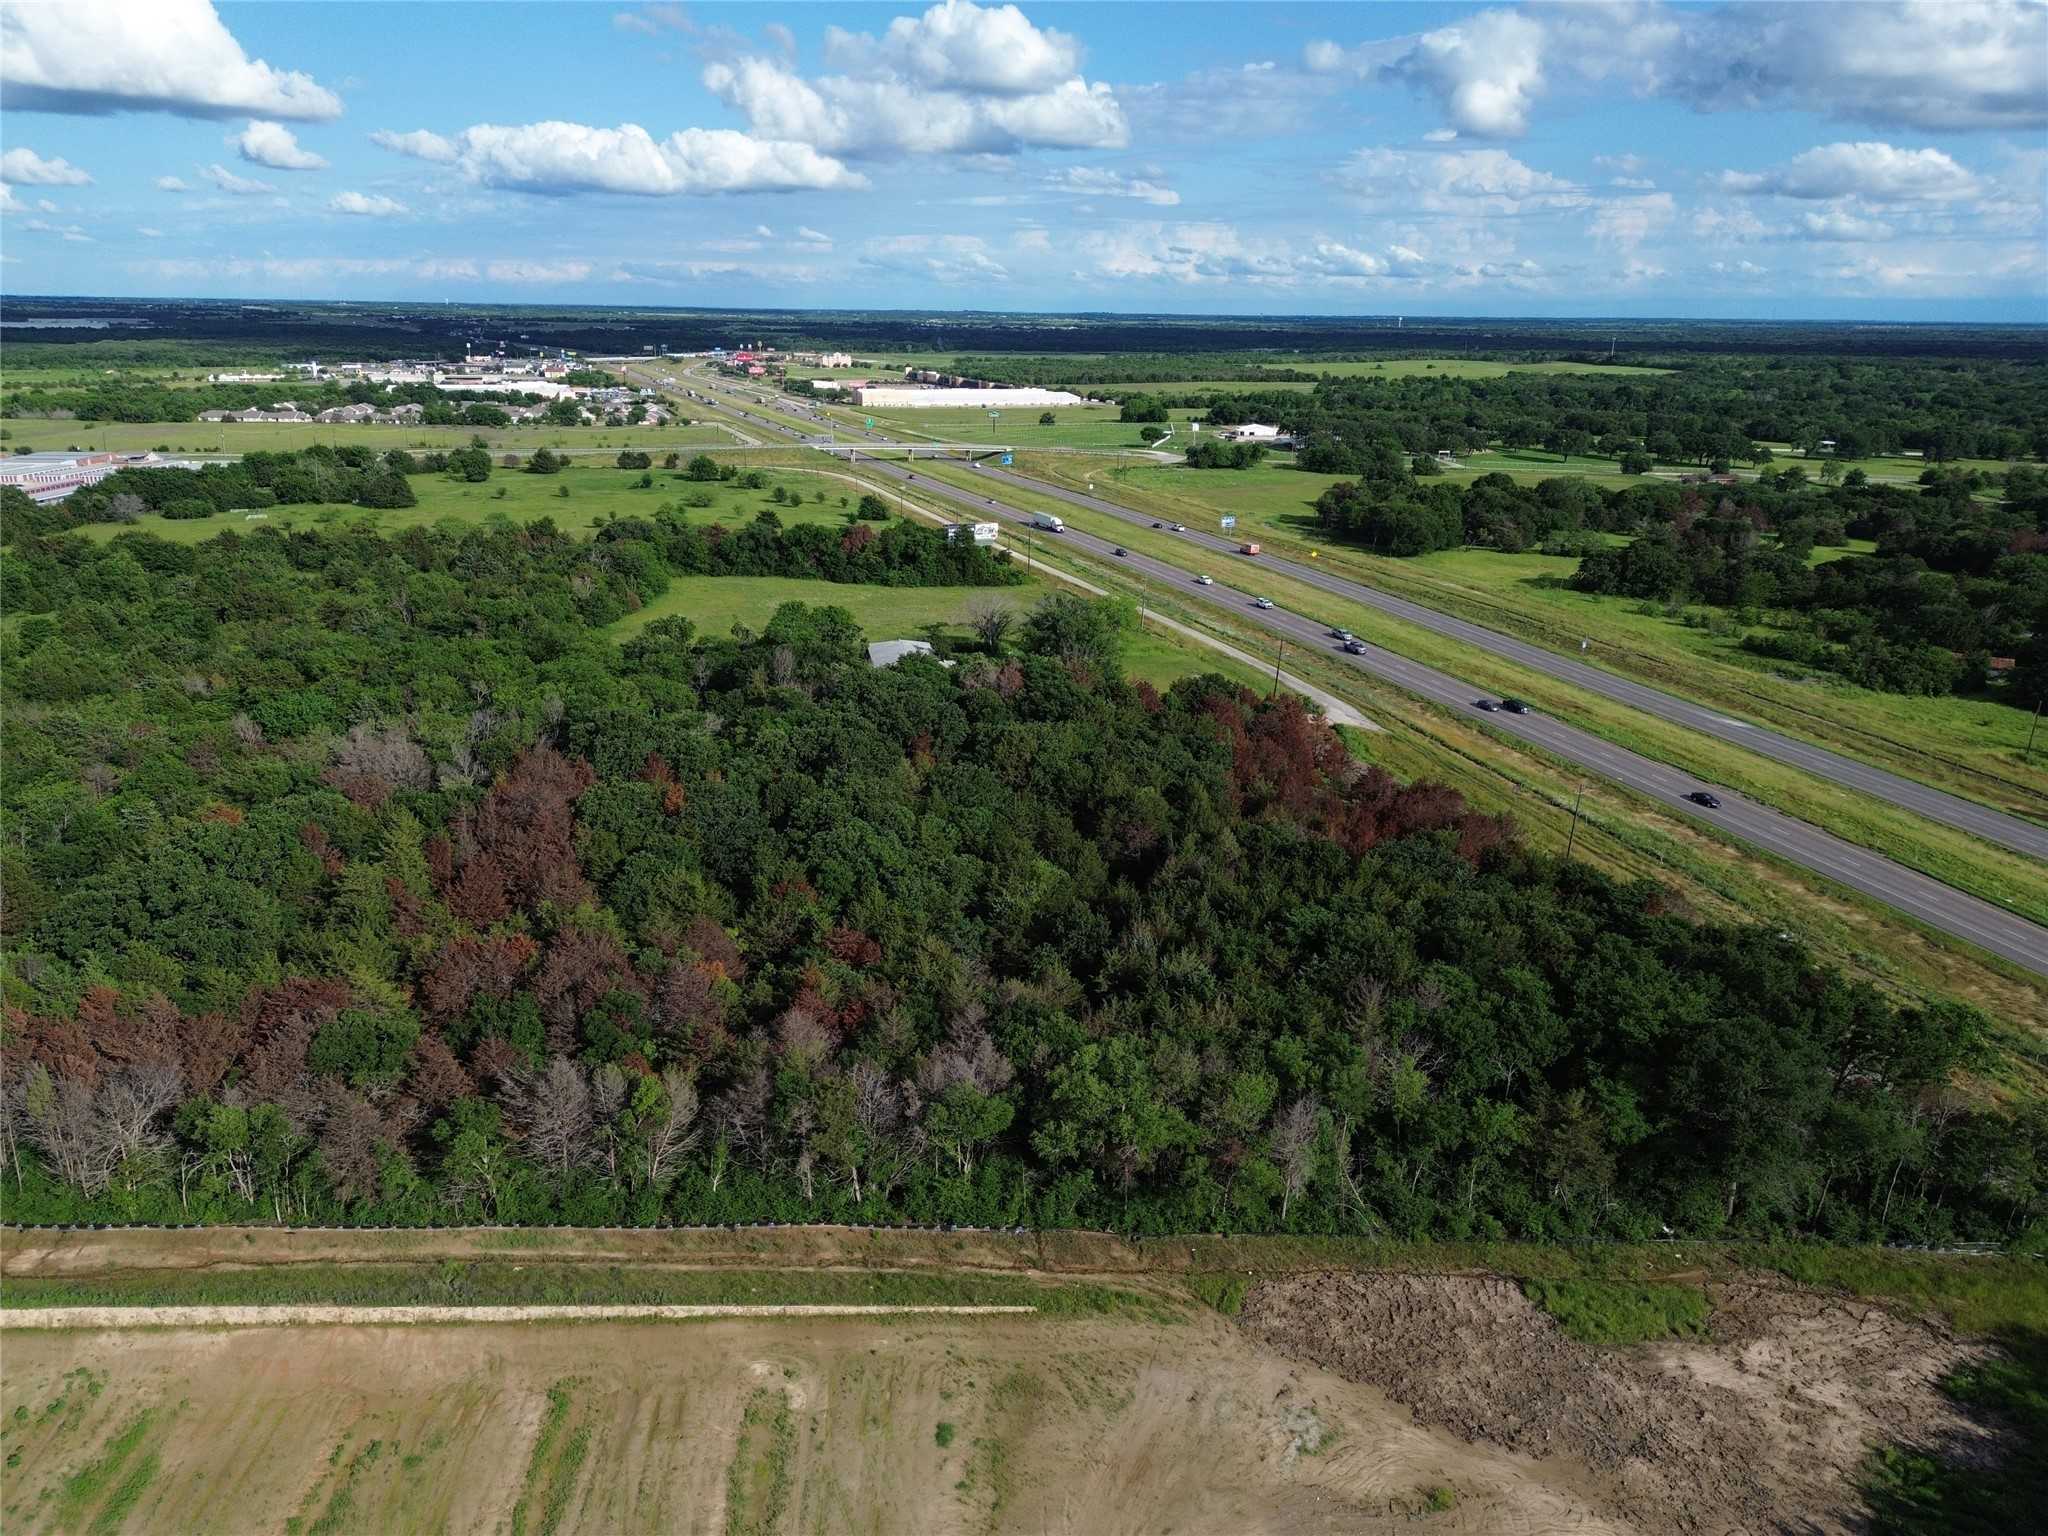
(1074, 426)
(1972, 746)
(596, 495)
(252, 437)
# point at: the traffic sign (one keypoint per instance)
(1229, 522)
(1006, 461)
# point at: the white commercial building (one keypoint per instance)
(897, 397)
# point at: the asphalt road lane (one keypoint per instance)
(1921, 897)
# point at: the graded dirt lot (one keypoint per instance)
(1338, 1400)
(1759, 1427)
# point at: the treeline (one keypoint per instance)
(371, 879)
(1956, 580)
(1711, 410)
(148, 400)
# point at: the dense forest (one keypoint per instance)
(1956, 580)
(377, 879)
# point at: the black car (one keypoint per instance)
(1489, 705)
(1159, 525)
(1514, 706)
(1701, 797)
(1121, 550)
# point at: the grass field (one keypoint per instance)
(247, 437)
(1076, 426)
(596, 495)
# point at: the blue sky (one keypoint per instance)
(1880, 160)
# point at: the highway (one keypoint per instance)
(1921, 897)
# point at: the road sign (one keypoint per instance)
(1006, 461)
(1230, 522)
(871, 423)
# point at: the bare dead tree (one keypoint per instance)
(350, 1133)
(1293, 1144)
(607, 1098)
(552, 1113)
(673, 1131)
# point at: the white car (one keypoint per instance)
(1205, 581)
(1262, 602)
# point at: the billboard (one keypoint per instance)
(1007, 461)
(1229, 522)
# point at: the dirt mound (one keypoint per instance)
(1759, 1428)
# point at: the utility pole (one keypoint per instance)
(1279, 657)
(2033, 726)
(1572, 837)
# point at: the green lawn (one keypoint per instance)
(1076, 426)
(249, 437)
(715, 603)
(595, 495)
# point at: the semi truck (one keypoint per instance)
(1048, 523)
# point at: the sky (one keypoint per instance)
(1883, 160)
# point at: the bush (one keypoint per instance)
(1608, 1312)
(545, 461)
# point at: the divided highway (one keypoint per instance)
(1921, 897)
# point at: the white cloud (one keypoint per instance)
(763, 232)
(810, 236)
(960, 79)
(370, 205)
(937, 258)
(652, 20)
(960, 46)
(172, 184)
(228, 181)
(1486, 71)
(1839, 224)
(1466, 181)
(9, 203)
(100, 56)
(1633, 183)
(1200, 254)
(1876, 171)
(1255, 100)
(537, 271)
(71, 232)
(26, 168)
(560, 158)
(1746, 271)
(274, 145)
(148, 233)
(1440, 136)
(1629, 221)
(1929, 64)
(1095, 181)
(419, 144)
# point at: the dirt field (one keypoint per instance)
(1083, 1427)
(1337, 1401)
(1758, 1428)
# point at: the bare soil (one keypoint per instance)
(1095, 1428)
(1759, 1427)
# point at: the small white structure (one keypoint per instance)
(897, 397)
(835, 360)
(1250, 432)
(886, 653)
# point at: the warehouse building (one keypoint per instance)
(899, 397)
